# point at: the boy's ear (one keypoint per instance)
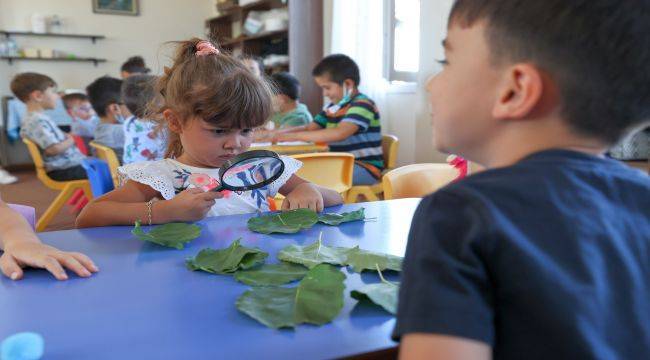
(349, 83)
(519, 93)
(173, 121)
(112, 109)
(36, 95)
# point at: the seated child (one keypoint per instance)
(22, 248)
(211, 105)
(104, 94)
(545, 255)
(133, 66)
(142, 141)
(289, 112)
(349, 123)
(61, 157)
(84, 118)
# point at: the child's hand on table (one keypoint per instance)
(305, 195)
(189, 205)
(20, 254)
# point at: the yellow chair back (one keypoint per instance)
(330, 169)
(417, 180)
(390, 146)
(107, 154)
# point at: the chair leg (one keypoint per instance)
(55, 207)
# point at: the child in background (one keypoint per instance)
(61, 157)
(253, 63)
(211, 105)
(142, 141)
(133, 66)
(22, 248)
(545, 255)
(84, 118)
(289, 112)
(105, 96)
(349, 123)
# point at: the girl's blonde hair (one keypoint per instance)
(215, 87)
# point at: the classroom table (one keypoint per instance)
(291, 148)
(144, 303)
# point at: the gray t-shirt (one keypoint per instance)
(111, 135)
(39, 128)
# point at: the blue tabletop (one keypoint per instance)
(144, 303)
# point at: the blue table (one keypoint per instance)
(144, 304)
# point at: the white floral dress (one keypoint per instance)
(169, 177)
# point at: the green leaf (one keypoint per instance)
(314, 254)
(289, 222)
(338, 219)
(173, 235)
(228, 260)
(271, 274)
(361, 260)
(317, 299)
(384, 294)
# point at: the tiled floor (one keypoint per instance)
(30, 191)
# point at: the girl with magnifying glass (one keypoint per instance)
(210, 104)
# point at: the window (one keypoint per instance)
(403, 39)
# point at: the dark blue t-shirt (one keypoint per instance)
(545, 259)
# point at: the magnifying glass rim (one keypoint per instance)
(253, 154)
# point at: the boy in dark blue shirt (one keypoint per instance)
(546, 255)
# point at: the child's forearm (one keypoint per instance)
(14, 228)
(107, 213)
(60, 147)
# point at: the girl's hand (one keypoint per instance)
(304, 196)
(191, 205)
(27, 253)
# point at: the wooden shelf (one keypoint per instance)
(93, 38)
(260, 36)
(11, 59)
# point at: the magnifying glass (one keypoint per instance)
(250, 170)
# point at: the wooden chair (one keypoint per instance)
(66, 188)
(417, 180)
(330, 169)
(108, 154)
(390, 147)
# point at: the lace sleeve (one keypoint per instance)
(291, 165)
(152, 173)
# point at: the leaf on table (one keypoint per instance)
(226, 261)
(271, 274)
(173, 235)
(289, 222)
(317, 299)
(337, 219)
(314, 254)
(361, 260)
(384, 294)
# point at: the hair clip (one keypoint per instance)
(205, 48)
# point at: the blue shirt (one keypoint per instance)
(545, 259)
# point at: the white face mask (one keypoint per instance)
(347, 92)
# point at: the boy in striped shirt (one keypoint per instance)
(349, 122)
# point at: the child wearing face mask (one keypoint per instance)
(105, 97)
(349, 123)
(84, 118)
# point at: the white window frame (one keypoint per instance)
(389, 47)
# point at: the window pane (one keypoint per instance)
(406, 52)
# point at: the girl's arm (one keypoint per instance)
(125, 205)
(300, 193)
(22, 248)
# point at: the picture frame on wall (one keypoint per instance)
(116, 7)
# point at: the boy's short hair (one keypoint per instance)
(137, 92)
(103, 92)
(338, 68)
(286, 84)
(24, 84)
(135, 65)
(69, 98)
(596, 51)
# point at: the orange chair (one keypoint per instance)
(417, 180)
(390, 147)
(330, 169)
(67, 188)
(108, 154)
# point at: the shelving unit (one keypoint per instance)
(93, 38)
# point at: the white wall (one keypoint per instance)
(159, 21)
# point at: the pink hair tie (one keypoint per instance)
(205, 48)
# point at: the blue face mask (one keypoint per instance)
(120, 118)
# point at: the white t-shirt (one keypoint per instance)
(169, 177)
